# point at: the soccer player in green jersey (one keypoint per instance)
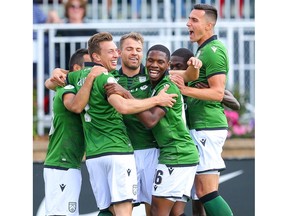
(109, 154)
(178, 159)
(62, 175)
(178, 61)
(146, 152)
(207, 121)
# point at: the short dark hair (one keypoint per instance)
(185, 53)
(210, 10)
(77, 58)
(160, 47)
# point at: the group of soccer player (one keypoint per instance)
(149, 134)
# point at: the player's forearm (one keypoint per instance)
(202, 94)
(148, 118)
(50, 84)
(231, 102)
(82, 97)
(132, 106)
(188, 75)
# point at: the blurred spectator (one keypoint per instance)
(75, 13)
(39, 17)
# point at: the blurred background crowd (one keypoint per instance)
(62, 26)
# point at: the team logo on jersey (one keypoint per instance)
(134, 189)
(62, 186)
(111, 80)
(214, 48)
(72, 207)
(142, 79)
(69, 87)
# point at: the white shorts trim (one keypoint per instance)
(62, 190)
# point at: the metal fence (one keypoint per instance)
(238, 36)
(167, 10)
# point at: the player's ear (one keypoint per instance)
(76, 67)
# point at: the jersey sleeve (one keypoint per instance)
(215, 61)
(65, 90)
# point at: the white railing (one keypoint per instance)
(239, 37)
(156, 9)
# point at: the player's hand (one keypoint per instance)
(197, 63)
(59, 76)
(96, 71)
(178, 80)
(165, 99)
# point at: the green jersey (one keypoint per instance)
(104, 129)
(66, 138)
(205, 114)
(140, 136)
(175, 143)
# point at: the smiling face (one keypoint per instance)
(108, 55)
(131, 54)
(75, 11)
(157, 63)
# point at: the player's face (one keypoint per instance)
(197, 24)
(109, 55)
(156, 64)
(177, 63)
(131, 53)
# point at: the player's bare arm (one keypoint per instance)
(132, 106)
(215, 92)
(228, 100)
(151, 117)
(76, 103)
(192, 72)
(57, 78)
(115, 88)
